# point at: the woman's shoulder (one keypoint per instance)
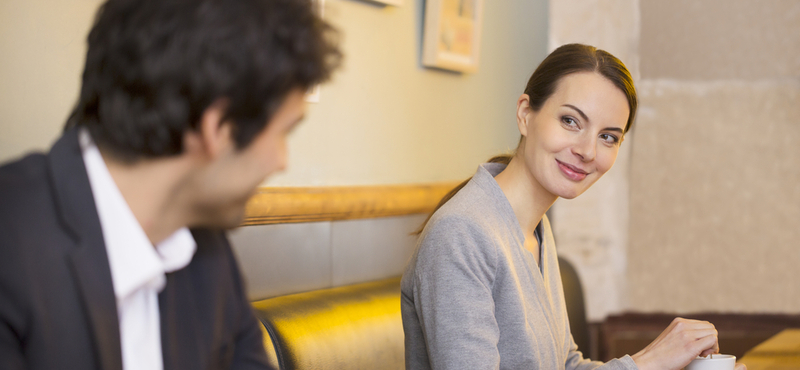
(445, 225)
(465, 225)
(467, 210)
(452, 243)
(477, 205)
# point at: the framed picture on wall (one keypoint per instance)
(388, 2)
(452, 34)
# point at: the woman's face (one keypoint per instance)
(575, 137)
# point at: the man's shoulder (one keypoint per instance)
(32, 167)
(22, 184)
(31, 220)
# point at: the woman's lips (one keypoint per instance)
(571, 172)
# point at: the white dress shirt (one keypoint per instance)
(138, 270)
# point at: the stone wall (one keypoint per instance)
(715, 170)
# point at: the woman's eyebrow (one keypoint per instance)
(585, 118)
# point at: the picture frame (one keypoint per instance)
(388, 2)
(452, 34)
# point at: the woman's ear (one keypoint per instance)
(523, 112)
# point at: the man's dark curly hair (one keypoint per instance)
(154, 66)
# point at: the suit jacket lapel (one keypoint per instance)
(89, 260)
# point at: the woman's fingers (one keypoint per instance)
(740, 366)
(685, 327)
(679, 344)
(706, 342)
(697, 337)
(710, 351)
(689, 324)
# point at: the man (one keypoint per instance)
(111, 250)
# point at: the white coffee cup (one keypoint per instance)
(715, 362)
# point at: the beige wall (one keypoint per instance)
(384, 118)
(715, 171)
(41, 59)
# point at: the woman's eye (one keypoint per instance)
(569, 121)
(608, 138)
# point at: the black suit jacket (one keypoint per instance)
(57, 303)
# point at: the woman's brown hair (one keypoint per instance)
(566, 60)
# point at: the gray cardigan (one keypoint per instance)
(474, 298)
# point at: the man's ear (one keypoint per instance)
(523, 110)
(213, 135)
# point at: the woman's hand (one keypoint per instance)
(740, 366)
(678, 345)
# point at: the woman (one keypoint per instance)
(483, 290)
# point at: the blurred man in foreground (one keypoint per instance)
(112, 254)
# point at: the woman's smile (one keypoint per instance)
(572, 172)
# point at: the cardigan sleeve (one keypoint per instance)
(452, 295)
(575, 361)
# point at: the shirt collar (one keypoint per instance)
(134, 263)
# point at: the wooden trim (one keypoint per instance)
(312, 204)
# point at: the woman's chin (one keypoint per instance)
(570, 193)
(572, 189)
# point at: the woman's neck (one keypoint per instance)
(527, 197)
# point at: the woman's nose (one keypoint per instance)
(585, 148)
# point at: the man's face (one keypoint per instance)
(232, 178)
